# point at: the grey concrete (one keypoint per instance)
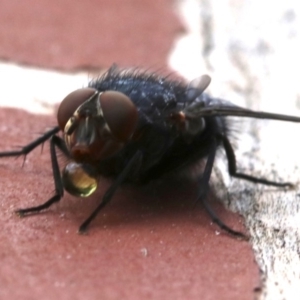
(251, 50)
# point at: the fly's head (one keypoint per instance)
(96, 125)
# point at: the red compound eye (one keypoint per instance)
(120, 114)
(70, 103)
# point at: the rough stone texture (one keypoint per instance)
(150, 243)
(251, 50)
(87, 35)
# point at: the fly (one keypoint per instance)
(136, 127)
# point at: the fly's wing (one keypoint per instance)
(225, 108)
(197, 87)
(201, 105)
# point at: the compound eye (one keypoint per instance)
(70, 104)
(120, 114)
(77, 181)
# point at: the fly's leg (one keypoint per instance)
(203, 189)
(55, 141)
(232, 168)
(130, 167)
(28, 148)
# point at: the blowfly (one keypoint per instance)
(135, 127)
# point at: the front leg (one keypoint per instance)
(55, 141)
(31, 146)
(130, 168)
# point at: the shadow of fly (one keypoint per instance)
(135, 127)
